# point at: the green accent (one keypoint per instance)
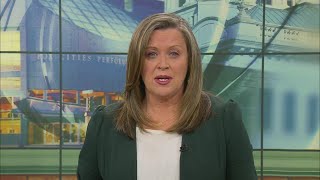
(35, 161)
(46, 161)
(288, 163)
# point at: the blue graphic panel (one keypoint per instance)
(79, 72)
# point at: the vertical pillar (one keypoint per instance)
(78, 97)
(87, 115)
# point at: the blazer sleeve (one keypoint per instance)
(88, 162)
(240, 164)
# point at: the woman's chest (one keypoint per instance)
(202, 156)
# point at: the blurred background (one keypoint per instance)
(61, 59)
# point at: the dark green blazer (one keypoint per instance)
(219, 149)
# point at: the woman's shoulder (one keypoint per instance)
(216, 101)
(220, 106)
(108, 110)
(220, 102)
(104, 115)
(227, 112)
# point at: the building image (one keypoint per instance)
(34, 108)
(222, 27)
(58, 65)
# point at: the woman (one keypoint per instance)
(166, 127)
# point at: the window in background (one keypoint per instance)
(115, 97)
(51, 133)
(36, 93)
(312, 118)
(9, 120)
(289, 112)
(53, 95)
(69, 96)
(71, 133)
(268, 112)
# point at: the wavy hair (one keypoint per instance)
(195, 105)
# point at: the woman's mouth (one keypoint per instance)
(163, 79)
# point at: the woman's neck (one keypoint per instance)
(164, 112)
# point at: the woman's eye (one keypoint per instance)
(151, 54)
(174, 54)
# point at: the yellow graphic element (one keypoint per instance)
(10, 83)
(10, 41)
(10, 62)
(10, 126)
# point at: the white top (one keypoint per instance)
(158, 155)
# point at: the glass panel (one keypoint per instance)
(12, 126)
(30, 110)
(103, 26)
(28, 25)
(292, 26)
(292, 104)
(27, 118)
(238, 77)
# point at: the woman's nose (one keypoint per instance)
(163, 64)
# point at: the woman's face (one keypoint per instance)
(165, 64)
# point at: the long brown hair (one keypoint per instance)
(195, 104)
